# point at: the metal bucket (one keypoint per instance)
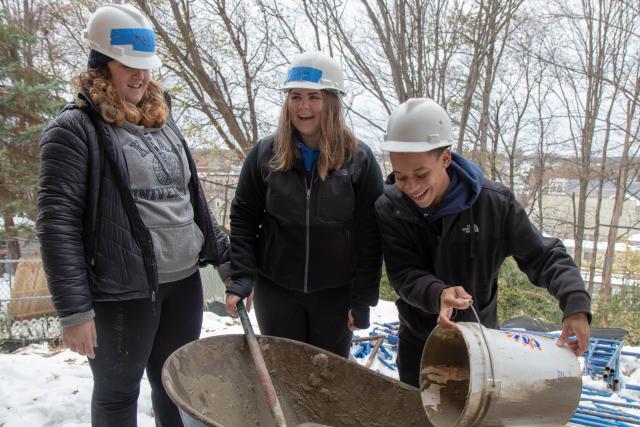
(214, 383)
(509, 379)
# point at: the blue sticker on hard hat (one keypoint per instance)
(142, 39)
(305, 74)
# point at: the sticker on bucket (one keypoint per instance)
(526, 340)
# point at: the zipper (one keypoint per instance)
(94, 242)
(121, 180)
(307, 226)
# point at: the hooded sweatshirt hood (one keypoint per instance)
(464, 188)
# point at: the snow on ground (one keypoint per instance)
(52, 387)
(40, 386)
(630, 374)
(26, 329)
(630, 368)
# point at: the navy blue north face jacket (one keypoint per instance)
(307, 234)
(464, 243)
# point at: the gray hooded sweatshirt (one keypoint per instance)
(158, 177)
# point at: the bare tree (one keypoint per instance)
(620, 42)
(602, 178)
(512, 102)
(217, 49)
(631, 131)
(497, 17)
(391, 50)
(543, 122)
(589, 30)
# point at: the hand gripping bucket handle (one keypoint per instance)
(486, 344)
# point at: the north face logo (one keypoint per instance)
(467, 228)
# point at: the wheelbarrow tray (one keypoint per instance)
(213, 381)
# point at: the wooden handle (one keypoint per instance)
(261, 367)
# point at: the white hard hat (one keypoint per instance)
(417, 125)
(123, 33)
(315, 70)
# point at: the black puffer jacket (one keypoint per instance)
(94, 243)
(467, 249)
(307, 240)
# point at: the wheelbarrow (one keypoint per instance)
(213, 382)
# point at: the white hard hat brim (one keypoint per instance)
(141, 63)
(412, 146)
(300, 84)
(138, 62)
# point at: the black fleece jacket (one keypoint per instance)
(467, 248)
(308, 234)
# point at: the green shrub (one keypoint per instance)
(621, 311)
(518, 297)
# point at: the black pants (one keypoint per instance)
(318, 318)
(136, 334)
(409, 356)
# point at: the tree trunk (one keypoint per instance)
(602, 177)
(621, 190)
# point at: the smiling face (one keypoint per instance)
(422, 176)
(131, 83)
(305, 111)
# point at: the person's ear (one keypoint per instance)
(446, 158)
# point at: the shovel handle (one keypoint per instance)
(261, 367)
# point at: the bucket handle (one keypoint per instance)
(475, 313)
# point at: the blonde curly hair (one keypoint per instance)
(151, 111)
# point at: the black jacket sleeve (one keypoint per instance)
(405, 267)
(365, 288)
(223, 249)
(247, 210)
(222, 242)
(62, 186)
(546, 262)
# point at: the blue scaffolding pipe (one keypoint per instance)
(607, 402)
(596, 413)
(586, 390)
(587, 420)
(613, 411)
(631, 353)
